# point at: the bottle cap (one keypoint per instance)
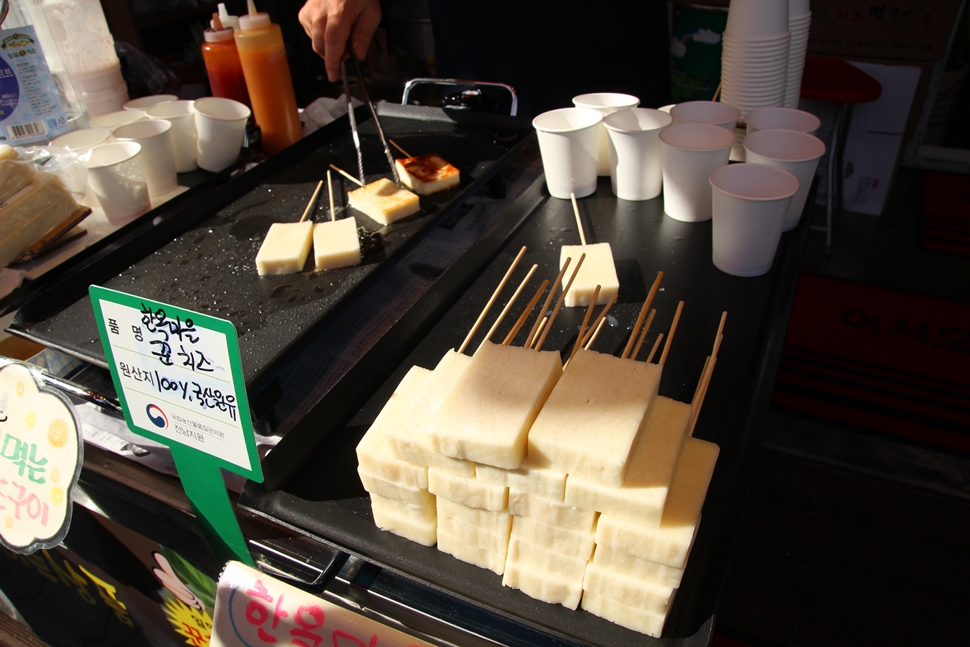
(254, 21)
(227, 20)
(217, 35)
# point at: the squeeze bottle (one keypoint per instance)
(222, 63)
(264, 64)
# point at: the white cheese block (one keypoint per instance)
(671, 542)
(619, 561)
(477, 537)
(542, 586)
(454, 546)
(335, 244)
(467, 491)
(598, 269)
(565, 567)
(497, 522)
(487, 416)
(31, 212)
(408, 439)
(392, 490)
(373, 454)
(554, 513)
(13, 177)
(651, 624)
(651, 468)
(528, 477)
(650, 597)
(409, 521)
(285, 248)
(427, 174)
(592, 418)
(555, 538)
(384, 201)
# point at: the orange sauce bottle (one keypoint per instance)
(267, 72)
(222, 64)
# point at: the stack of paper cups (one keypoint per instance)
(799, 21)
(754, 57)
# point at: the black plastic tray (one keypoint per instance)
(324, 497)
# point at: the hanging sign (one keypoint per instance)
(40, 459)
(179, 380)
(256, 610)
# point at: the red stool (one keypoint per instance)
(826, 78)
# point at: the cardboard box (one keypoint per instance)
(910, 30)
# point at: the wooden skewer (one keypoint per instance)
(596, 333)
(313, 201)
(542, 326)
(643, 311)
(531, 339)
(582, 328)
(333, 210)
(717, 92)
(347, 175)
(720, 334)
(696, 406)
(579, 221)
(670, 335)
(505, 279)
(700, 381)
(508, 306)
(656, 345)
(643, 334)
(525, 314)
(559, 302)
(598, 321)
(394, 144)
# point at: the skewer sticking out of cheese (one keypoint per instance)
(287, 244)
(599, 269)
(383, 201)
(425, 174)
(335, 243)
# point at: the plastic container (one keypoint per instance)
(223, 67)
(267, 72)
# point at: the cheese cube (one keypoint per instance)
(619, 561)
(454, 546)
(528, 477)
(598, 269)
(13, 177)
(555, 564)
(31, 212)
(543, 587)
(650, 597)
(373, 454)
(487, 416)
(335, 244)
(592, 418)
(497, 522)
(554, 513)
(651, 624)
(409, 521)
(641, 497)
(408, 439)
(670, 543)
(555, 538)
(477, 537)
(383, 201)
(285, 248)
(427, 174)
(391, 490)
(467, 491)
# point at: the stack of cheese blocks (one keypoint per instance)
(583, 518)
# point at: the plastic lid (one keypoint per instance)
(217, 35)
(254, 21)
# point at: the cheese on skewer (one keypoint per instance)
(467, 491)
(285, 248)
(335, 244)
(592, 418)
(409, 521)
(427, 174)
(651, 468)
(384, 201)
(598, 269)
(624, 615)
(528, 477)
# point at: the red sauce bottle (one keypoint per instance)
(222, 64)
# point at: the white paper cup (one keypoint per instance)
(182, 116)
(144, 103)
(569, 145)
(117, 118)
(83, 140)
(117, 178)
(636, 170)
(750, 202)
(757, 18)
(690, 152)
(605, 103)
(798, 153)
(706, 112)
(157, 154)
(782, 119)
(220, 126)
(107, 77)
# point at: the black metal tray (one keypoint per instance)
(324, 497)
(202, 258)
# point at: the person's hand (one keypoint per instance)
(331, 23)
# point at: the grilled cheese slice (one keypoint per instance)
(427, 174)
(383, 201)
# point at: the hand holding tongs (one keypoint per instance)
(353, 121)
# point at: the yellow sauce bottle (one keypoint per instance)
(267, 72)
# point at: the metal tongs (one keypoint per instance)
(377, 122)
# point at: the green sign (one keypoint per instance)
(180, 383)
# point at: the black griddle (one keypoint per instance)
(325, 500)
(202, 257)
